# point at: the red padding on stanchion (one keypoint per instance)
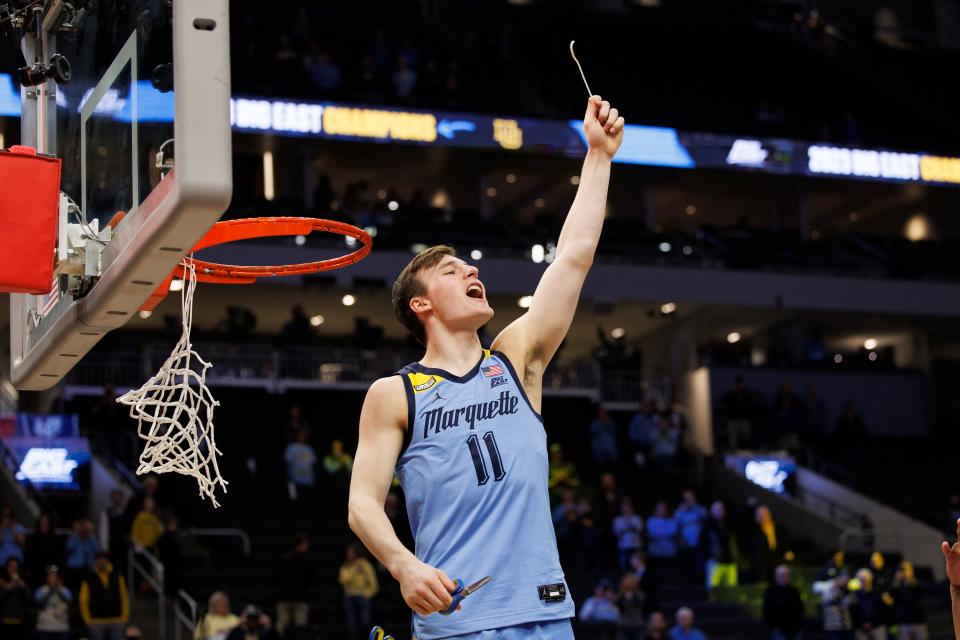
(29, 200)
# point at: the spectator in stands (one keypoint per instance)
(42, 549)
(836, 566)
(338, 463)
(649, 584)
(684, 629)
(849, 433)
(607, 509)
(53, 601)
(908, 612)
(662, 534)
(736, 409)
(627, 527)
(218, 621)
(563, 475)
(782, 607)
(656, 627)
(301, 459)
(881, 573)
(170, 554)
(359, 582)
(868, 611)
(403, 80)
(837, 621)
(631, 603)
(113, 530)
(815, 418)
(763, 543)
(642, 431)
(104, 601)
(295, 576)
(322, 71)
(295, 422)
(12, 536)
(603, 438)
(720, 546)
(565, 524)
(14, 601)
(254, 625)
(690, 516)
(601, 607)
(666, 442)
(788, 420)
(82, 548)
(132, 632)
(296, 330)
(149, 488)
(147, 527)
(588, 538)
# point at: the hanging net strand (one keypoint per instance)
(174, 410)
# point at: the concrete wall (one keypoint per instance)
(693, 393)
(919, 542)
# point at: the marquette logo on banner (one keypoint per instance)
(507, 133)
(747, 153)
(376, 123)
(863, 163)
(940, 169)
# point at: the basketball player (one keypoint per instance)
(462, 431)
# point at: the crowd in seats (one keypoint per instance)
(58, 586)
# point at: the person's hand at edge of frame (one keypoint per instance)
(951, 554)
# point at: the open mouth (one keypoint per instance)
(475, 291)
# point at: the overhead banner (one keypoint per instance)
(642, 145)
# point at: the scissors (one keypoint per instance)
(461, 592)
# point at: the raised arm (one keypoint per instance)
(382, 423)
(536, 336)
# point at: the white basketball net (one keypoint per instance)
(174, 418)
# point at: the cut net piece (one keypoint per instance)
(174, 410)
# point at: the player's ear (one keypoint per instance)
(419, 304)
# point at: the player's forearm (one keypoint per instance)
(368, 520)
(581, 229)
(955, 602)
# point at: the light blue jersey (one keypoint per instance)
(474, 472)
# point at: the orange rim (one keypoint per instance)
(249, 228)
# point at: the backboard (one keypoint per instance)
(145, 73)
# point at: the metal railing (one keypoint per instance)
(836, 513)
(867, 539)
(225, 532)
(154, 576)
(280, 368)
(183, 618)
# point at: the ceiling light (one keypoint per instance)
(854, 216)
(381, 194)
(537, 253)
(316, 321)
(618, 333)
(300, 240)
(176, 285)
(146, 314)
(872, 356)
(837, 358)
(476, 254)
(539, 203)
(525, 302)
(668, 308)
(870, 344)
(511, 178)
(349, 300)
(687, 250)
(418, 247)
(574, 180)
(733, 337)
(351, 241)
(491, 192)
(665, 247)
(691, 210)
(393, 205)
(917, 228)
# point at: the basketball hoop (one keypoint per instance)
(175, 419)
